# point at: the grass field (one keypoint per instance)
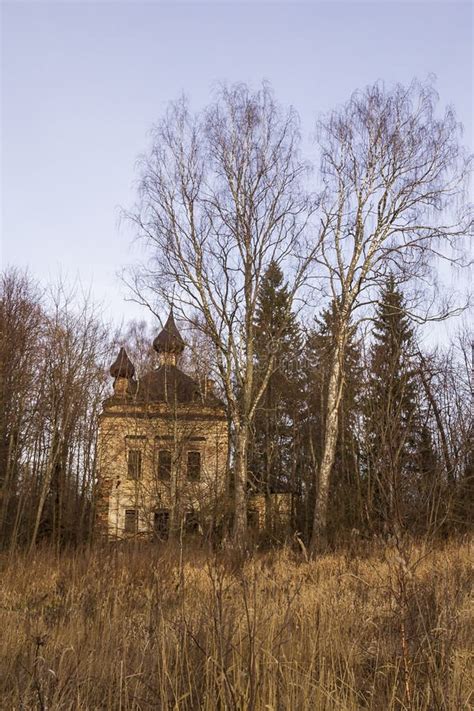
(145, 628)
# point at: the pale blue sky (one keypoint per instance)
(82, 84)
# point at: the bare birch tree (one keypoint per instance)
(221, 197)
(21, 330)
(72, 385)
(393, 174)
(52, 383)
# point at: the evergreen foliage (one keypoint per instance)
(345, 499)
(400, 456)
(273, 448)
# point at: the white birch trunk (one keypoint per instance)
(331, 430)
(240, 486)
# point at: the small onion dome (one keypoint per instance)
(169, 340)
(122, 367)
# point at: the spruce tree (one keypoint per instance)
(395, 436)
(345, 507)
(272, 451)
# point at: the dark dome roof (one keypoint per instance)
(169, 384)
(169, 340)
(122, 367)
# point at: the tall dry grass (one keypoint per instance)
(166, 629)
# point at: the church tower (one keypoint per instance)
(162, 449)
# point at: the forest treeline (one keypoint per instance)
(308, 281)
(53, 382)
(403, 461)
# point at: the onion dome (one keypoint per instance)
(169, 339)
(122, 367)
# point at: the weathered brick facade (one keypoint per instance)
(162, 449)
(163, 454)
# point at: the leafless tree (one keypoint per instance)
(222, 195)
(72, 384)
(393, 176)
(138, 338)
(52, 385)
(446, 376)
(21, 319)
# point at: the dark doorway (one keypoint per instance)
(162, 524)
(191, 522)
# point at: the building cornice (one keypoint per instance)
(163, 413)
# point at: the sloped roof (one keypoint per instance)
(168, 384)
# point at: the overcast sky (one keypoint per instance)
(82, 83)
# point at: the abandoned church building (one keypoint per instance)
(163, 452)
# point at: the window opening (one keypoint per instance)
(161, 524)
(131, 521)
(164, 464)
(134, 464)
(194, 466)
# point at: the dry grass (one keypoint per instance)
(153, 629)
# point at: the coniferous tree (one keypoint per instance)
(272, 453)
(399, 447)
(345, 508)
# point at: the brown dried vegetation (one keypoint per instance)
(141, 628)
